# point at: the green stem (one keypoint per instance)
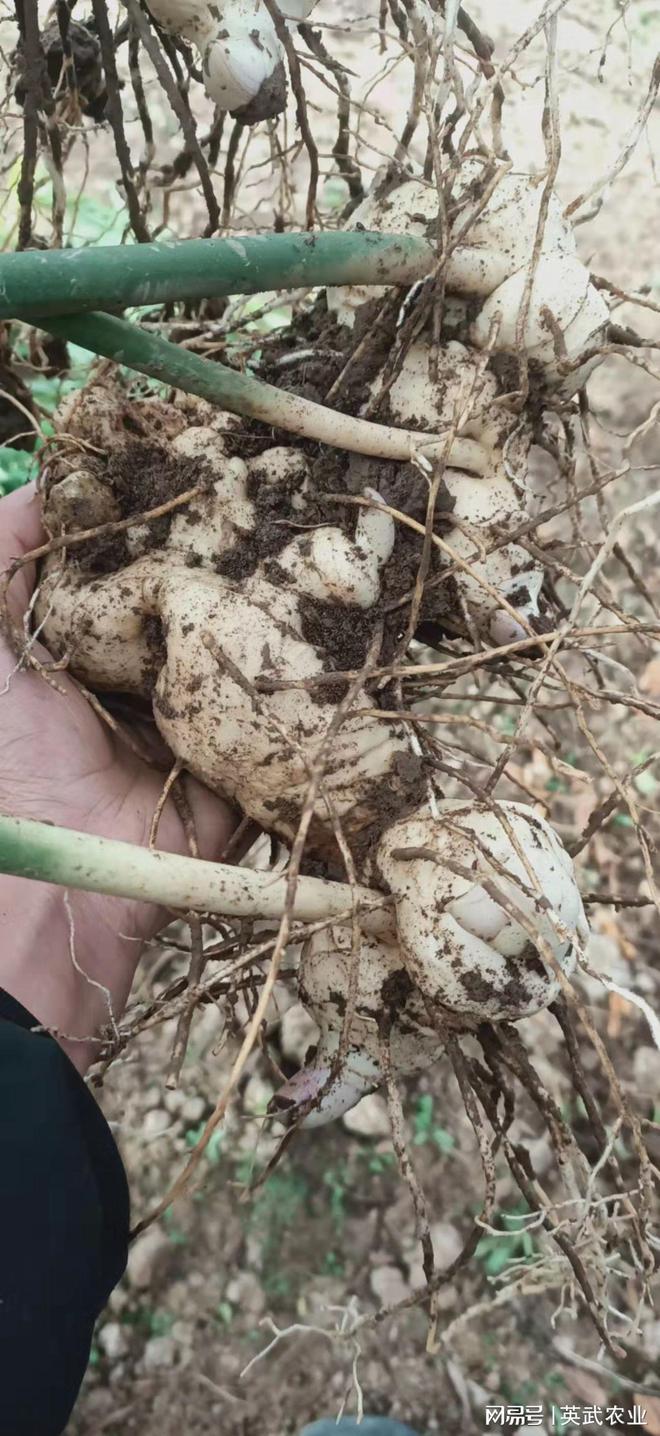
(243, 394)
(77, 860)
(37, 283)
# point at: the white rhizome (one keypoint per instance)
(486, 915)
(242, 55)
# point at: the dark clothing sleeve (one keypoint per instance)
(64, 1224)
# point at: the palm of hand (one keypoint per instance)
(60, 763)
(58, 760)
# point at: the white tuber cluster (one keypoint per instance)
(497, 264)
(243, 64)
(387, 1008)
(259, 752)
(566, 315)
(482, 509)
(236, 641)
(242, 57)
(410, 208)
(484, 895)
(488, 913)
(490, 251)
(169, 626)
(464, 394)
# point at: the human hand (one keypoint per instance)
(71, 961)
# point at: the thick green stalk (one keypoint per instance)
(76, 860)
(37, 283)
(243, 394)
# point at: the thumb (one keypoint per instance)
(21, 530)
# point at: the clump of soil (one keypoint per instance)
(343, 633)
(49, 354)
(86, 68)
(334, 349)
(275, 525)
(145, 475)
(142, 475)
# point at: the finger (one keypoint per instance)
(21, 530)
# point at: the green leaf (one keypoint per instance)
(443, 1140)
(16, 468)
(176, 1236)
(499, 1255)
(332, 1265)
(213, 1151)
(378, 1162)
(423, 1120)
(224, 1313)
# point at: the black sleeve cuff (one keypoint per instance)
(64, 1226)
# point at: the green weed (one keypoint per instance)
(275, 1210)
(213, 1152)
(17, 466)
(336, 1180)
(377, 1162)
(176, 1236)
(332, 1264)
(426, 1129)
(516, 1243)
